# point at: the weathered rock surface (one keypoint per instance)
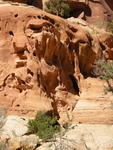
(83, 137)
(76, 136)
(14, 126)
(43, 59)
(94, 106)
(41, 53)
(26, 141)
(106, 41)
(13, 134)
(96, 12)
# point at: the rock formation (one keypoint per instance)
(43, 62)
(88, 10)
(107, 45)
(78, 136)
(41, 52)
(43, 59)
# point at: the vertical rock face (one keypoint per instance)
(41, 54)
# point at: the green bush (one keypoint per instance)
(104, 70)
(58, 7)
(108, 89)
(44, 126)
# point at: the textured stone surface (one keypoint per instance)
(84, 137)
(107, 45)
(77, 136)
(42, 62)
(94, 106)
(43, 59)
(44, 54)
(26, 141)
(14, 126)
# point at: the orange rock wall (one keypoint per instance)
(42, 60)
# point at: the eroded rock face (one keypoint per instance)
(106, 41)
(42, 59)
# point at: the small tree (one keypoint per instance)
(104, 70)
(45, 126)
(58, 7)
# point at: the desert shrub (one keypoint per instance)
(110, 26)
(58, 7)
(45, 126)
(104, 70)
(108, 89)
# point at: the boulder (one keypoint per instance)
(14, 126)
(26, 141)
(83, 137)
